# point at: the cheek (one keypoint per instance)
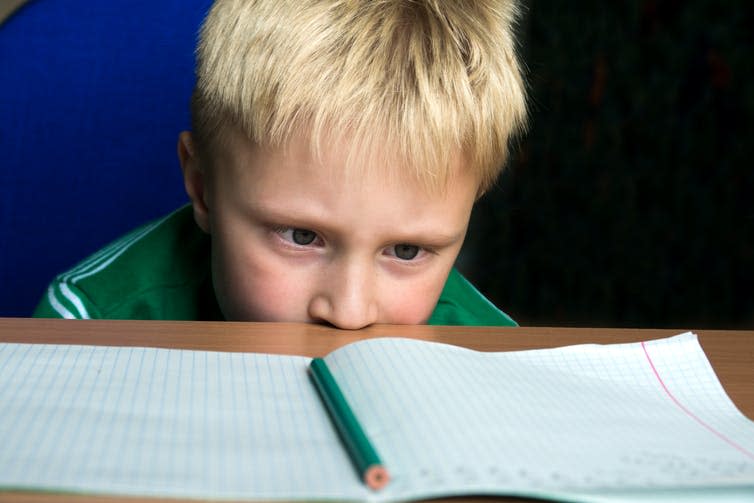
(415, 312)
(253, 287)
(415, 303)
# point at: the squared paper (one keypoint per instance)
(645, 421)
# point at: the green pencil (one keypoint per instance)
(363, 454)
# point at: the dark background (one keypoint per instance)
(629, 201)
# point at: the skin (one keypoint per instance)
(301, 238)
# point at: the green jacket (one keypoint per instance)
(161, 271)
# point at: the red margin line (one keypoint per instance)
(691, 414)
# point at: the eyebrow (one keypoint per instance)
(290, 217)
(433, 239)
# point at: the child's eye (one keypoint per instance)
(406, 252)
(301, 237)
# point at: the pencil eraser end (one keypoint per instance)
(376, 477)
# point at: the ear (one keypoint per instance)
(194, 179)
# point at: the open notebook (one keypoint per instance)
(589, 422)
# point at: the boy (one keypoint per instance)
(336, 152)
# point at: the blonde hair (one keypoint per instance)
(422, 80)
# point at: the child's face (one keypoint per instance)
(295, 239)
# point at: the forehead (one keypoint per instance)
(338, 160)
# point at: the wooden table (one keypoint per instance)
(730, 352)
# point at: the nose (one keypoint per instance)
(346, 296)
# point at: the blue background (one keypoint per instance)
(92, 98)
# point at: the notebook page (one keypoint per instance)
(165, 422)
(579, 420)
